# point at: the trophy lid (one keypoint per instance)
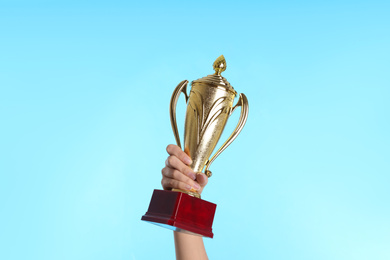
(216, 80)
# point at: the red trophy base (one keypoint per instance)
(181, 212)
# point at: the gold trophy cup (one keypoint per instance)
(209, 105)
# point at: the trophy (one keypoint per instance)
(209, 105)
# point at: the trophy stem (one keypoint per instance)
(191, 193)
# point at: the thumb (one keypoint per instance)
(202, 179)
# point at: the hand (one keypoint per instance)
(178, 175)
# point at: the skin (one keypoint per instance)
(177, 174)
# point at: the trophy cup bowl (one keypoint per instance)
(209, 105)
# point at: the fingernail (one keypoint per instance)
(187, 160)
(196, 186)
(192, 175)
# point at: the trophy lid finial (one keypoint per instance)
(216, 80)
(219, 65)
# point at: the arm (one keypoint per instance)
(189, 247)
(177, 174)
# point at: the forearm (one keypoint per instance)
(189, 247)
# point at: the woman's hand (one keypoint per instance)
(178, 175)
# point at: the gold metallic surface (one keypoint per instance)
(209, 106)
(219, 65)
(191, 192)
(181, 88)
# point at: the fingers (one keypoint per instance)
(174, 179)
(175, 163)
(169, 184)
(178, 175)
(176, 151)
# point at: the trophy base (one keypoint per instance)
(181, 212)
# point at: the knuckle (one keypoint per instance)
(170, 148)
(163, 184)
(186, 170)
(164, 171)
(168, 173)
(174, 174)
(177, 175)
(171, 160)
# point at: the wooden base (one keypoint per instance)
(181, 212)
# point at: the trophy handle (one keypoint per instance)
(182, 87)
(243, 103)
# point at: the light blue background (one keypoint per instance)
(84, 94)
